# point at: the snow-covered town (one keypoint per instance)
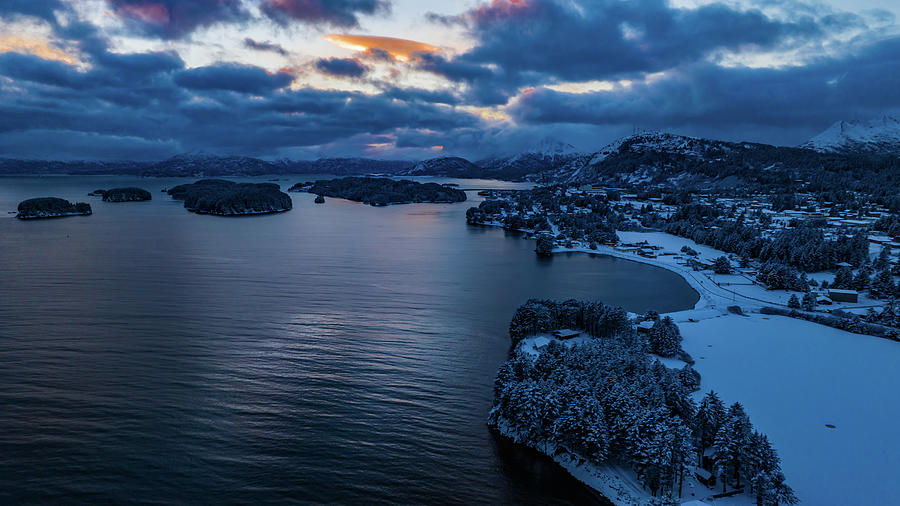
(751, 334)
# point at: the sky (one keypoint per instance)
(414, 79)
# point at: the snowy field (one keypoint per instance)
(793, 377)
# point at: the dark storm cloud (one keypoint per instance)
(341, 67)
(538, 41)
(233, 77)
(421, 95)
(344, 13)
(172, 19)
(707, 96)
(265, 46)
(143, 105)
(32, 68)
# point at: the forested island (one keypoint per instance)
(51, 207)
(130, 194)
(596, 395)
(382, 191)
(227, 198)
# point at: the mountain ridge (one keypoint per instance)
(875, 136)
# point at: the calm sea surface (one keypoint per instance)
(336, 353)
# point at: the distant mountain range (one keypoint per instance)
(653, 158)
(879, 136)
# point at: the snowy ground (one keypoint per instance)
(793, 377)
(717, 291)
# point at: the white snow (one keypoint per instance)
(716, 291)
(878, 135)
(793, 377)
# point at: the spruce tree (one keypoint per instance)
(665, 338)
(809, 301)
(794, 302)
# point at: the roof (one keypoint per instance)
(846, 292)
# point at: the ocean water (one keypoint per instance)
(336, 353)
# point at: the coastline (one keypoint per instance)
(719, 338)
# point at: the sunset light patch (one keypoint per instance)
(35, 46)
(399, 49)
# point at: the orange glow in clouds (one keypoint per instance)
(400, 49)
(35, 46)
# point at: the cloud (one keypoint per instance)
(147, 105)
(41, 9)
(36, 46)
(233, 77)
(705, 97)
(174, 19)
(341, 67)
(528, 42)
(265, 46)
(400, 49)
(329, 12)
(73, 145)
(421, 95)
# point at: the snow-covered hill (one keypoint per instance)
(200, 165)
(880, 136)
(644, 156)
(546, 155)
(448, 166)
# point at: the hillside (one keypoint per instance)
(448, 166)
(206, 165)
(547, 155)
(878, 136)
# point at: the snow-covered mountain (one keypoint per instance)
(642, 157)
(343, 166)
(879, 136)
(546, 155)
(448, 166)
(200, 165)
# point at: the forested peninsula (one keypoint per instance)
(582, 384)
(382, 191)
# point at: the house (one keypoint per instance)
(591, 189)
(843, 295)
(705, 477)
(645, 326)
(565, 334)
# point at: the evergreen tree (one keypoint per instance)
(665, 338)
(731, 443)
(710, 418)
(722, 265)
(544, 246)
(794, 302)
(843, 279)
(809, 301)
(862, 279)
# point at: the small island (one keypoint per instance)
(319, 199)
(382, 191)
(51, 207)
(227, 198)
(126, 195)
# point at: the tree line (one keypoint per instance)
(606, 400)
